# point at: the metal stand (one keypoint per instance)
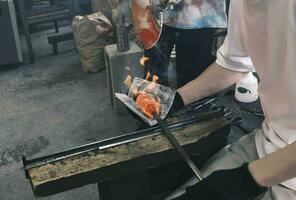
(118, 66)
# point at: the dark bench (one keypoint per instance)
(53, 12)
(55, 39)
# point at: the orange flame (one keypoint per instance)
(155, 79)
(152, 86)
(128, 81)
(148, 75)
(143, 60)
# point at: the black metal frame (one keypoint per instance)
(28, 19)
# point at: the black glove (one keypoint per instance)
(158, 62)
(178, 104)
(233, 184)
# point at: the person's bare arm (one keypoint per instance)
(273, 169)
(214, 79)
(276, 167)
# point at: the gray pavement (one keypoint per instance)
(47, 107)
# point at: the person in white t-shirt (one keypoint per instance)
(262, 165)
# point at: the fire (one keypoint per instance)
(128, 81)
(145, 96)
(155, 79)
(152, 86)
(148, 75)
(143, 60)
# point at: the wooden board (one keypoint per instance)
(97, 160)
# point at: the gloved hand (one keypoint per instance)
(178, 103)
(233, 184)
(158, 62)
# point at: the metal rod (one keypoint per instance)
(178, 147)
(36, 162)
(204, 104)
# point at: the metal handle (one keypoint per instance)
(178, 147)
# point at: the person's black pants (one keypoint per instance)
(193, 53)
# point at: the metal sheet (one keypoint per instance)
(165, 94)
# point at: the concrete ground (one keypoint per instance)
(47, 107)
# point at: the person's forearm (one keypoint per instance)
(275, 168)
(213, 80)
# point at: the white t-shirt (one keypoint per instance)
(262, 38)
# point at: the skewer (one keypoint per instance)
(178, 147)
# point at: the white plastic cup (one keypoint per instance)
(246, 90)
